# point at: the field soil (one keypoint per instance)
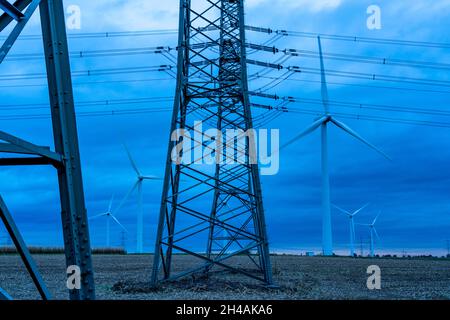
(127, 277)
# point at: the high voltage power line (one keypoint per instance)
(348, 38)
(377, 107)
(274, 80)
(280, 33)
(371, 76)
(90, 82)
(288, 51)
(293, 111)
(367, 59)
(91, 72)
(259, 76)
(106, 102)
(361, 85)
(289, 99)
(95, 53)
(111, 34)
(92, 113)
(292, 100)
(376, 118)
(294, 69)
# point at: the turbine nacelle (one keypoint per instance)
(351, 214)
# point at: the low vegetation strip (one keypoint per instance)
(60, 250)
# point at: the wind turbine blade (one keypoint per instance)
(152, 178)
(126, 197)
(376, 218)
(363, 207)
(357, 136)
(117, 221)
(323, 80)
(376, 233)
(133, 164)
(98, 216)
(342, 210)
(110, 203)
(311, 128)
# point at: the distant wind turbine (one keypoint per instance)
(351, 216)
(373, 233)
(140, 215)
(322, 122)
(109, 216)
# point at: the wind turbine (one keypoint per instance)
(373, 232)
(140, 215)
(351, 216)
(322, 122)
(109, 215)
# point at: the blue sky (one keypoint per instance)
(412, 191)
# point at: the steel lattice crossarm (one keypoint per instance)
(212, 213)
(65, 158)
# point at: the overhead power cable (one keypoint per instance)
(375, 107)
(166, 51)
(106, 102)
(375, 118)
(118, 112)
(357, 105)
(89, 83)
(297, 69)
(362, 85)
(353, 58)
(90, 72)
(108, 34)
(348, 38)
(95, 53)
(281, 33)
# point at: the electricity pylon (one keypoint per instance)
(205, 205)
(65, 158)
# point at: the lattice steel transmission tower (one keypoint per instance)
(65, 158)
(212, 213)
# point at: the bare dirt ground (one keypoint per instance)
(126, 277)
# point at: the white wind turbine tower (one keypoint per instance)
(325, 119)
(109, 216)
(351, 216)
(373, 232)
(140, 215)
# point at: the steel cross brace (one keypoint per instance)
(10, 9)
(22, 21)
(21, 247)
(19, 146)
(5, 19)
(4, 295)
